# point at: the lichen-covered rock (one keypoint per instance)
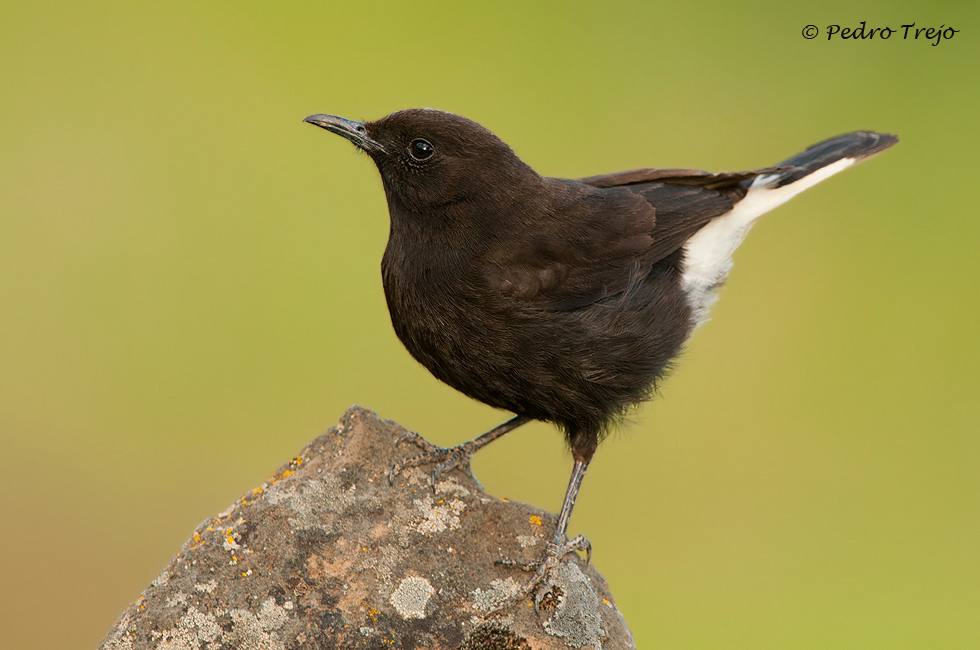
(326, 554)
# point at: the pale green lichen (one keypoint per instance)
(500, 591)
(411, 597)
(576, 618)
(197, 630)
(438, 516)
(251, 631)
(194, 630)
(528, 540)
(314, 501)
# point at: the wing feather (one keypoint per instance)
(603, 230)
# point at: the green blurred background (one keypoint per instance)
(190, 292)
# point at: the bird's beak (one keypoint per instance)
(356, 132)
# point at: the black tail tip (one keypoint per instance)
(857, 145)
(874, 142)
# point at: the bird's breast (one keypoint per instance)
(430, 297)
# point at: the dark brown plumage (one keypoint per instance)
(558, 300)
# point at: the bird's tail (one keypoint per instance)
(709, 252)
(806, 169)
(830, 155)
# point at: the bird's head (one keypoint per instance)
(431, 160)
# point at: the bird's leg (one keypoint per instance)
(546, 570)
(449, 457)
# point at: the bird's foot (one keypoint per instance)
(544, 584)
(446, 458)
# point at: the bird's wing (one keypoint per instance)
(675, 176)
(605, 230)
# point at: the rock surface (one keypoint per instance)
(326, 554)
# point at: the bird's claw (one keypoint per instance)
(448, 458)
(417, 440)
(580, 543)
(547, 592)
(523, 566)
(542, 584)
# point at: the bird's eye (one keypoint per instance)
(420, 149)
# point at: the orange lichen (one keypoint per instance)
(536, 520)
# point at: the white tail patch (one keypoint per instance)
(708, 254)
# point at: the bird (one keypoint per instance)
(559, 300)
